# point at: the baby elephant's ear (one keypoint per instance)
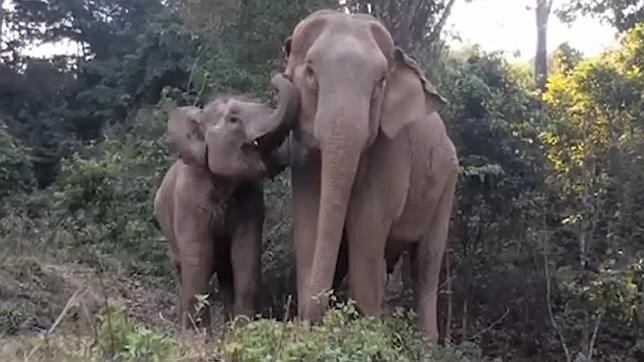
(186, 135)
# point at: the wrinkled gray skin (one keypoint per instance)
(373, 169)
(210, 203)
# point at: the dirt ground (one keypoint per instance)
(38, 297)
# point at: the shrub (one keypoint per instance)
(15, 164)
(121, 337)
(342, 336)
(105, 195)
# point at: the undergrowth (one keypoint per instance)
(342, 336)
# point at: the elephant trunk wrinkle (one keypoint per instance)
(285, 113)
(340, 157)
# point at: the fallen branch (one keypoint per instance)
(61, 316)
(591, 345)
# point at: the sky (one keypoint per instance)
(505, 25)
(483, 22)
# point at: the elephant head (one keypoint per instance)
(355, 85)
(233, 137)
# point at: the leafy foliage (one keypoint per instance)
(15, 164)
(342, 336)
(622, 14)
(591, 146)
(545, 242)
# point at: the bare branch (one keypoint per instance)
(448, 322)
(434, 35)
(507, 310)
(546, 262)
(591, 346)
(550, 6)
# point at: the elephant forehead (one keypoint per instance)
(247, 110)
(323, 21)
(214, 111)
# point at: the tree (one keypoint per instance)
(564, 58)
(130, 52)
(414, 24)
(2, 15)
(621, 14)
(542, 14)
(592, 145)
(15, 164)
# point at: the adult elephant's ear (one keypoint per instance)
(409, 96)
(186, 135)
(286, 46)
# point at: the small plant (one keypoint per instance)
(341, 336)
(120, 337)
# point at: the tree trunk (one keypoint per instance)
(542, 13)
(2, 14)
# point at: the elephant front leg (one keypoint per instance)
(305, 208)
(196, 270)
(196, 259)
(367, 234)
(427, 261)
(246, 250)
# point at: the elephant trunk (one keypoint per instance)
(341, 143)
(282, 119)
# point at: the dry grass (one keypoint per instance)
(51, 312)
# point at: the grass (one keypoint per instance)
(68, 312)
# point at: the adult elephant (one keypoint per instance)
(372, 165)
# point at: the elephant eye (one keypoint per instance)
(382, 80)
(233, 119)
(309, 77)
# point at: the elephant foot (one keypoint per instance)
(315, 309)
(431, 338)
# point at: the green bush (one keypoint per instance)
(15, 164)
(122, 338)
(342, 336)
(105, 195)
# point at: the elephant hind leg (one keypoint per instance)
(426, 263)
(225, 289)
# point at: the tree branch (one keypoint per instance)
(546, 262)
(435, 34)
(591, 345)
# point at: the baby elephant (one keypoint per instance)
(210, 205)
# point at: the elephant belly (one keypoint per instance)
(432, 162)
(412, 224)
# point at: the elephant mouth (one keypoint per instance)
(269, 141)
(266, 143)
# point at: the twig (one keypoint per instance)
(283, 336)
(507, 310)
(448, 323)
(194, 66)
(562, 339)
(64, 312)
(276, 228)
(91, 324)
(62, 315)
(109, 314)
(203, 86)
(594, 337)
(434, 35)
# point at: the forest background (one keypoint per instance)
(545, 257)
